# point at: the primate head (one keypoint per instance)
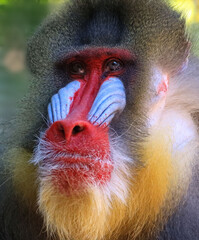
(101, 73)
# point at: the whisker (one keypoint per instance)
(5, 181)
(45, 119)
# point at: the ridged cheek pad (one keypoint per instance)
(110, 100)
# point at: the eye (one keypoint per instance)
(76, 68)
(113, 65)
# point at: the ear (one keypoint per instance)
(186, 59)
(160, 84)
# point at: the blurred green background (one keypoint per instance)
(18, 21)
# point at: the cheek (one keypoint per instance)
(110, 101)
(61, 103)
(73, 101)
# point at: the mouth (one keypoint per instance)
(76, 173)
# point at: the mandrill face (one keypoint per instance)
(79, 150)
(75, 152)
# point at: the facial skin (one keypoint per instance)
(85, 112)
(80, 115)
(115, 156)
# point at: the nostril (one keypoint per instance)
(77, 129)
(60, 130)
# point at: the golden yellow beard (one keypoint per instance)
(85, 216)
(92, 216)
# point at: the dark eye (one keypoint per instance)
(113, 65)
(77, 68)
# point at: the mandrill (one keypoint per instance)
(105, 142)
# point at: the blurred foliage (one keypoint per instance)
(189, 8)
(18, 21)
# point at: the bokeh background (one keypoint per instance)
(18, 21)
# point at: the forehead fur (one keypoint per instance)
(150, 29)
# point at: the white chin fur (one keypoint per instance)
(116, 187)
